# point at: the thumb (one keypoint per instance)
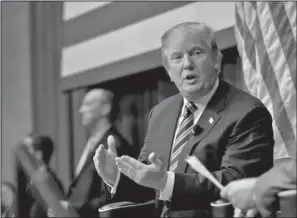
(154, 160)
(223, 192)
(111, 144)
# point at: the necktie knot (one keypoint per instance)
(191, 107)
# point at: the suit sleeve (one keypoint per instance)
(247, 153)
(279, 178)
(128, 190)
(103, 195)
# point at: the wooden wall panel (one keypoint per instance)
(46, 26)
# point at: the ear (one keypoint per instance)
(218, 60)
(106, 109)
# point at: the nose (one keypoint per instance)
(188, 65)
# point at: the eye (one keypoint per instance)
(196, 52)
(176, 57)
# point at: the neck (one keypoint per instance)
(196, 96)
(102, 124)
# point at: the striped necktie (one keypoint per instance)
(183, 134)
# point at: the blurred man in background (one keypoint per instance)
(88, 192)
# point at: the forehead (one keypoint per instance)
(91, 97)
(185, 40)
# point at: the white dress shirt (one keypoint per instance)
(93, 140)
(165, 195)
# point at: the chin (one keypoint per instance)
(192, 89)
(192, 92)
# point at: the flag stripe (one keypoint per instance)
(277, 58)
(279, 151)
(291, 14)
(267, 64)
(279, 113)
(284, 30)
(250, 50)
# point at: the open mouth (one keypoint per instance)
(191, 78)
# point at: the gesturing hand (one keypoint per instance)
(240, 192)
(152, 176)
(104, 160)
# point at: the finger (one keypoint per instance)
(133, 162)
(96, 156)
(99, 153)
(237, 212)
(224, 192)
(154, 160)
(126, 168)
(111, 144)
(251, 212)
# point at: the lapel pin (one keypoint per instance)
(210, 120)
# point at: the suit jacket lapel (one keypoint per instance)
(89, 159)
(169, 128)
(103, 141)
(207, 121)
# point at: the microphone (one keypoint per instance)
(197, 129)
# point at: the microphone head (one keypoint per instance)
(196, 129)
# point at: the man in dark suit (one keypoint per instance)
(227, 129)
(88, 192)
(259, 195)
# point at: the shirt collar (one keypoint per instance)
(202, 102)
(99, 133)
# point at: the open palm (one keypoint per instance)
(104, 160)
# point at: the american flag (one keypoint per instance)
(266, 39)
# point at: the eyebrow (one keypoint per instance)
(196, 47)
(192, 49)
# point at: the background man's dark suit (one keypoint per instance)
(88, 192)
(234, 139)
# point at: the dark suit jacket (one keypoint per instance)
(279, 178)
(88, 192)
(238, 143)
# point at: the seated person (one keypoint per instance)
(8, 192)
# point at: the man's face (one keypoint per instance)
(191, 64)
(89, 110)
